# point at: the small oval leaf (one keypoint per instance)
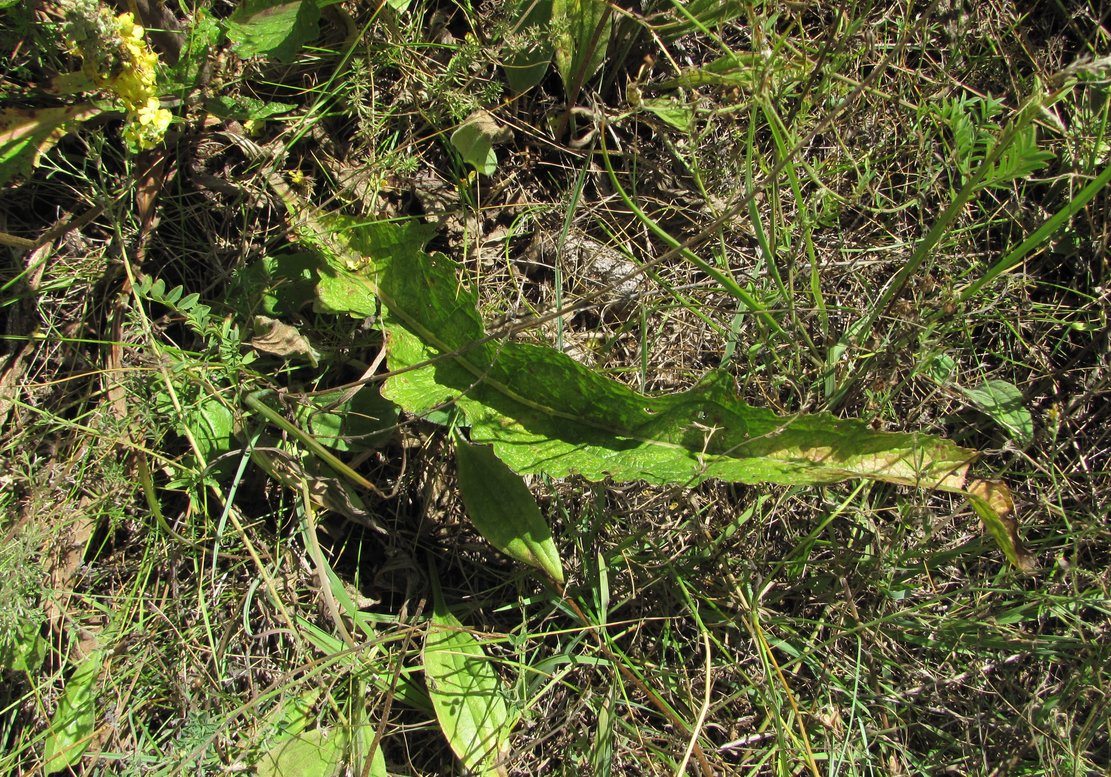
(503, 509)
(475, 140)
(466, 693)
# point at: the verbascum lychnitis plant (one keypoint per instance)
(117, 59)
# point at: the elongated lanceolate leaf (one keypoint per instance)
(543, 412)
(581, 35)
(530, 34)
(503, 509)
(466, 693)
(72, 725)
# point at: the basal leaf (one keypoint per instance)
(377, 767)
(674, 112)
(941, 367)
(293, 715)
(377, 760)
(243, 108)
(212, 425)
(581, 36)
(368, 666)
(543, 412)
(503, 509)
(475, 139)
(362, 422)
(992, 501)
(321, 752)
(27, 133)
(742, 70)
(314, 753)
(531, 41)
(347, 247)
(23, 649)
(1002, 401)
(691, 15)
(276, 28)
(278, 285)
(73, 722)
(466, 693)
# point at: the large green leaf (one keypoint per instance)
(321, 752)
(543, 412)
(314, 753)
(467, 694)
(276, 28)
(503, 509)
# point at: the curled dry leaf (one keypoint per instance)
(992, 501)
(280, 339)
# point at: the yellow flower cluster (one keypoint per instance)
(146, 119)
(131, 76)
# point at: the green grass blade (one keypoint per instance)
(1040, 235)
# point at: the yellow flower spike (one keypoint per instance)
(118, 59)
(136, 85)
